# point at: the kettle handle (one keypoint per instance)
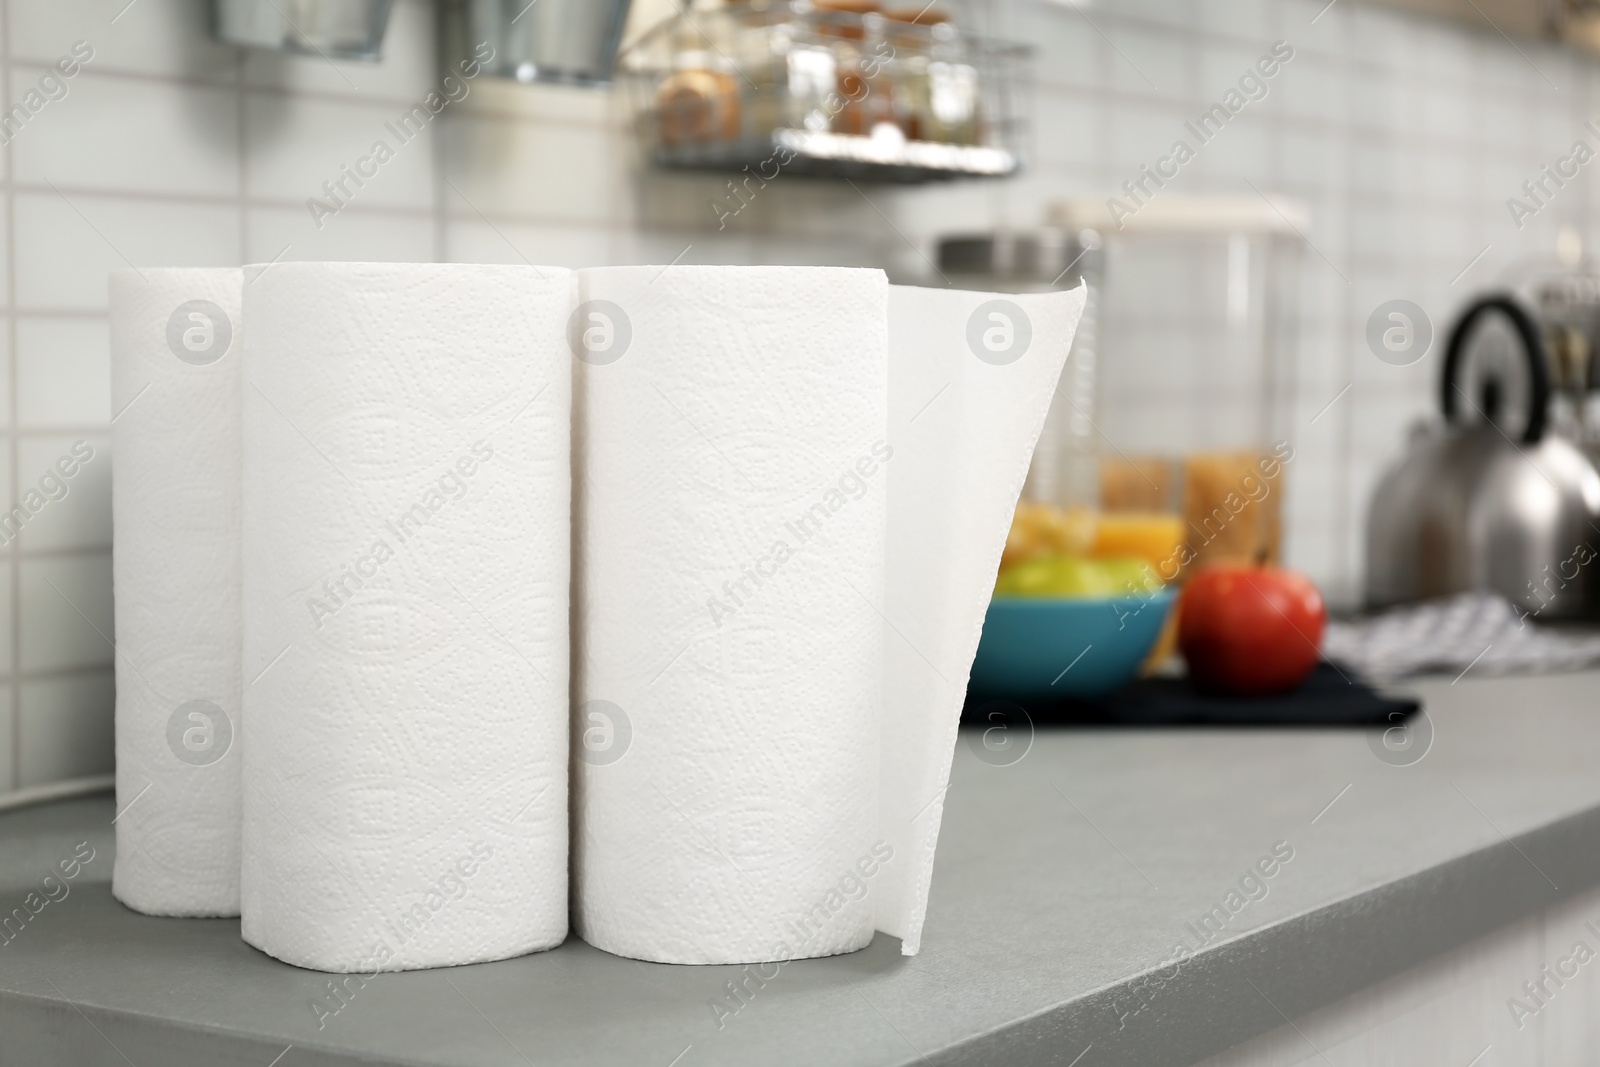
(1532, 352)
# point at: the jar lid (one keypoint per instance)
(1051, 256)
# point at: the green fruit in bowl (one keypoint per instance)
(1047, 576)
(1077, 576)
(1132, 577)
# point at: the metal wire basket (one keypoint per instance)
(786, 85)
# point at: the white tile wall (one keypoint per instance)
(62, 376)
(1404, 136)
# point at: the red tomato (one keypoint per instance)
(1250, 630)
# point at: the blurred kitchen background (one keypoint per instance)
(1381, 156)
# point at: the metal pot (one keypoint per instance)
(569, 42)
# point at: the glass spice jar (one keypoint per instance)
(698, 101)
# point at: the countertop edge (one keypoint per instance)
(42, 1029)
(1218, 997)
(1172, 1017)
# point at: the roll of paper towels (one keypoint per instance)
(407, 482)
(175, 342)
(729, 646)
(794, 488)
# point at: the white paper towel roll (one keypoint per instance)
(406, 562)
(794, 492)
(729, 563)
(175, 343)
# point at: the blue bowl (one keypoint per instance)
(1054, 648)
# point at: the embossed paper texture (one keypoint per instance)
(406, 570)
(175, 372)
(730, 624)
(778, 496)
(794, 486)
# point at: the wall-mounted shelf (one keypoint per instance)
(770, 86)
(881, 158)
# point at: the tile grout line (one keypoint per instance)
(12, 602)
(188, 197)
(438, 133)
(361, 99)
(102, 551)
(241, 157)
(92, 671)
(61, 430)
(1344, 558)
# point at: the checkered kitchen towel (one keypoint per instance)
(1477, 630)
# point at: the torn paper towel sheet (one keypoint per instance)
(175, 341)
(793, 491)
(406, 567)
(971, 377)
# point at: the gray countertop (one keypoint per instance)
(1065, 885)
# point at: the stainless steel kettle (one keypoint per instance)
(1491, 500)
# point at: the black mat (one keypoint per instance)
(1331, 696)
